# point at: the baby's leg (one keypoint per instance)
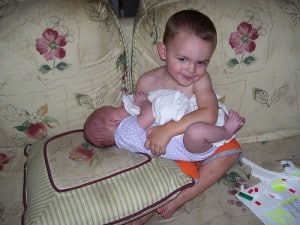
(200, 136)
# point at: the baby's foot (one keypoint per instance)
(233, 123)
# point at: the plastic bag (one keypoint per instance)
(276, 199)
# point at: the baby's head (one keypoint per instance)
(97, 129)
(191, 22)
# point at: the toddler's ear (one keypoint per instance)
(161, 49)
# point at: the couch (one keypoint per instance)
(60, 60)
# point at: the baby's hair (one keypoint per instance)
(96, 130)
(191, 22)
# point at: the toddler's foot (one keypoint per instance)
(167, 210)
(142, 220)
(233, 123)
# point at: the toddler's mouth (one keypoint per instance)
(188, 76)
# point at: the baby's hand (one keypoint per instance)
(139, 97)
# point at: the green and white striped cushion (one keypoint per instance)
(113, 187)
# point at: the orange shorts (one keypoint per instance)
(192, 168)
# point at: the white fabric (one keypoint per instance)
(129, 106)
(168, 104)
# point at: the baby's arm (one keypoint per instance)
(146, 117)
(139, 98)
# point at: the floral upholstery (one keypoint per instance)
(60, 60)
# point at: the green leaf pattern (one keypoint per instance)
(84, 100)
(262, 96)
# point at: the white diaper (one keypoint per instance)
(170, 105)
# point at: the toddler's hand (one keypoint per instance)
(157, 140)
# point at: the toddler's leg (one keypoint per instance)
(142, 220)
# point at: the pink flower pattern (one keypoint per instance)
(243, 39)
(51, 45)
(233, 180)
(83, 152)
(36, 130)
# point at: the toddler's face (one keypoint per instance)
(187, 58)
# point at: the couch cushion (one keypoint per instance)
(262, 83)
(70, 182)
(59, 61)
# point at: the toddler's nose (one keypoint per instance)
(191, 68)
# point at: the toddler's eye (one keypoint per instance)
(202, 63)
(182, 59)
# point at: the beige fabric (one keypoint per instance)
(112, 186)
(127, 24)
(93, 73)
(57, 95)
(264, 87)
